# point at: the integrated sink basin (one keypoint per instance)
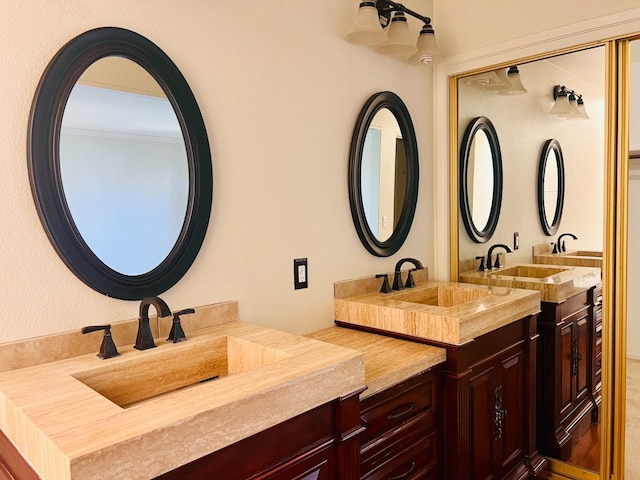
(443, 312)
(145, 413)
(442, 296)
(149, 376)
(528, 271)
(556, 283)
(576, 258)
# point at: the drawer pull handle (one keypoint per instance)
(412, 467)
(407, 411)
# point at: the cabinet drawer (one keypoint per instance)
(383, 413)
(417, 461)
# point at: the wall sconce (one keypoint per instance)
(501, 81)
(373, 17)
(568, 104)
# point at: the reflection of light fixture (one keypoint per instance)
(568, 104)
(501, 81)
(515, 83)
(373, 16)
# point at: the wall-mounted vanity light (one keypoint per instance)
(568, 104)
(373, 17)
(502, 81)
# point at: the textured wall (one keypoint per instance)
(280, 91)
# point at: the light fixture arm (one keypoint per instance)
(387, 7)
(561, 88)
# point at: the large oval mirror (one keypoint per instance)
(480, 179)
(550, 186)
(119, 164)
(383, 174)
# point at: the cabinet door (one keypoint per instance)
(482, 434)
(509, 410)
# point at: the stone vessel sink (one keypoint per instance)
(148, 412)
(556, 283)
(444, 312)
(149, 376)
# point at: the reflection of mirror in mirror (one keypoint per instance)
(480, 179)
(124, 166)
(383, 176)
(551, 187)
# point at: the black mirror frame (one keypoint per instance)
(477, 124)
(393, 103)
(551, 145)
(44, 167)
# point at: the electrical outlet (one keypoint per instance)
(300, 273)
(516, 240)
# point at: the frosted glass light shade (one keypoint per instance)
(366, 29)
(427, 46)
(581, 112)
(561, 108)
(515, 83)
(399, 41)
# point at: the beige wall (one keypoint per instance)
(280, 91)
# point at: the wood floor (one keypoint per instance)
(586, 452)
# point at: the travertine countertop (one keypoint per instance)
(67, 430)
(387, 361)
(578, 258)
(446, 312)
(564, 282)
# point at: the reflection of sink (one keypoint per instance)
(556, 283)
(529, 271)
(442, 296)
(576, 258)
(145, 377)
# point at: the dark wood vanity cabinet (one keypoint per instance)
(403, 430)
(568, 371)
(489, 405)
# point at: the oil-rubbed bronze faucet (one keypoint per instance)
(397, 276)
(496, 265)
(559, 246)
(144, 339)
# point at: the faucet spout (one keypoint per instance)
(560, 243)
(397, 276)
(144, 339)
(496, 265)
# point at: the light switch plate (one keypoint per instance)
(300, 273)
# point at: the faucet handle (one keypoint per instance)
(107, 348)
(410, 283)
(386, 288)
(177, 333)
(496, 264)
(481, 266)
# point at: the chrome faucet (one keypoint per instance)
(559, 246)
(496, 265)
(397, 275)
(144, 339)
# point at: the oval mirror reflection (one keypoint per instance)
(124, 166)
(384, 174)
(480, 183)
(480, 180)
(550, 186)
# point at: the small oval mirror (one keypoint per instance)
(480, 179)
(383, 174)
(551, 186)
